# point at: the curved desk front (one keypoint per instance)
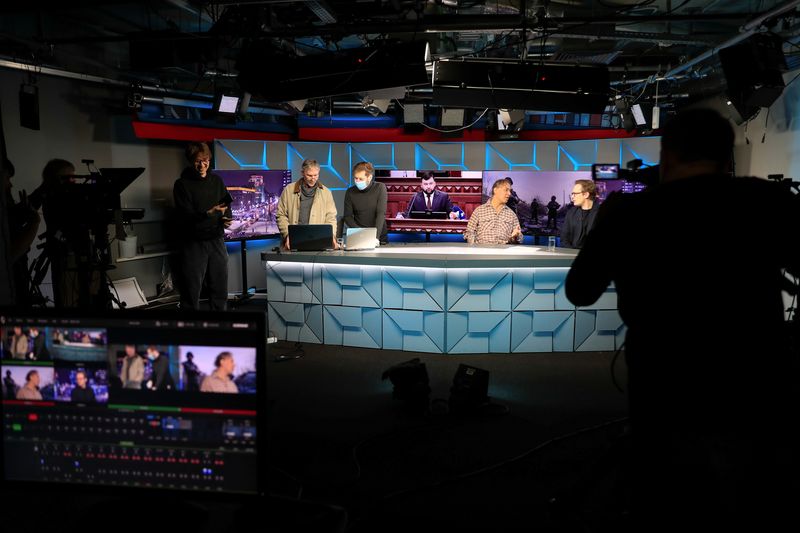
(438, 298)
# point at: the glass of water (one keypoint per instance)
(551, 244)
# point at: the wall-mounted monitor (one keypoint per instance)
(254, 195)
(407, 189)
(540, 198)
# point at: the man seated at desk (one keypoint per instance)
(493, 222)
(429, 200)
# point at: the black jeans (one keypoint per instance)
(209, 260)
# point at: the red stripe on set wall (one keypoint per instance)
(176, 132)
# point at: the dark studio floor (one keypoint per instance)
(337, 436)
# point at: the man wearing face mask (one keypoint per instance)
(160, 378)
(200, 204)
(365, 202)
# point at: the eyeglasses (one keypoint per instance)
(202, 161)
(574, 193)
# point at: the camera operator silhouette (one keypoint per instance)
(712, 383)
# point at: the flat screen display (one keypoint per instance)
(540, 198)
(405, 193)
(133, 400)
(254, 201)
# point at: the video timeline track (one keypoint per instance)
(130, 449)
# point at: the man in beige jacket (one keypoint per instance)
(306, 201)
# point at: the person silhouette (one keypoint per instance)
(712, 381)
(191, 373)
(552, 212)
(535, 211)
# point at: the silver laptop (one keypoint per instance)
(359, 239)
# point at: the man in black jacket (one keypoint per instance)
(200, 197)
(365, 202)
(82, 393)
(712, 383)
(580, 219)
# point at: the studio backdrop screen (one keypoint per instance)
(255, 196)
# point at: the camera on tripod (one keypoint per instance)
(78, 210)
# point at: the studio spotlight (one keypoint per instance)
(452, 117)
(377, 102)
(226, 104)
(298, 105)
(510, 119)
(470, 388)
(374, 106)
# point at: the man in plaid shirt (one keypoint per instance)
(493, 222)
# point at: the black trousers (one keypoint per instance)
(205, 260)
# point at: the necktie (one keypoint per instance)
(428, 200)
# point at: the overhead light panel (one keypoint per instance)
(414, 114)
(226, 104)
(452, 117)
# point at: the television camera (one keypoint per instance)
(78, 210)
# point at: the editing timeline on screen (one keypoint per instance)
(133, 400)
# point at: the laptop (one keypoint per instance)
(359, 239)
(103, 416)
(310, 237)
(428, 214)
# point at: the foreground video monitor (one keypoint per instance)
(133, 400)
(255, 195)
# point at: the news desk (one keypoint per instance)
(438, 298)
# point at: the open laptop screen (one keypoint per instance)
(143, 400)
(310, 237)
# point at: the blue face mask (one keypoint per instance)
(361, 185)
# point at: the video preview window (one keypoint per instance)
(28, 382)
(24, 343)
(218, 369)
(81, 383)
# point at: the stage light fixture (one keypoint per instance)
(377, 102)
(414, 114)
(452, 117)
(470, 388)
(510, 119)
(226, 104)
(298, 105)
(374, 106)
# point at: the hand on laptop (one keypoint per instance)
(335, 244)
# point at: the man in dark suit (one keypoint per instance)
(428, 199)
